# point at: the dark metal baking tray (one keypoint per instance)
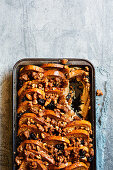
(73, 62)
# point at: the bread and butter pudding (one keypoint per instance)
(53, 128)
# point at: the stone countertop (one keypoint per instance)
(59, 29)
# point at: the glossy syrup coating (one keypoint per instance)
(53, 103)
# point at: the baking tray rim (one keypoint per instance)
(53, 60)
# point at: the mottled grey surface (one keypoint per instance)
(58, 28)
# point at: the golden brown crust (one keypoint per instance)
(78, 165)
(29, 128)
(54, 73)
(32, 116)
(26, 84)
(56, 139)
(62, 166)
(28, 105)
(78, 124)
(55, 66)
(56, 91)
(31, 68)
(43, 154)
(35, 142)
(51, 114)
(22, 107)
(31, 91)
(40, 164)
(85, 99)
(78, 133)
(23, 166)
(80, 148)
(52, 65)
(75, 73)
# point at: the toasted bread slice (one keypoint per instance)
(36, 119)
(31, 91)
(56, 91)
(56, 139)
(52, 65)
(62, 166)
(27, 128)
(78, 134)
(86, 149)
(54, 73)
(43, 155)
(78, 124)
(40, 164)
(26, 84)
(77, 166)
(75, 73)
(31, 68)
(28, 105)
(23, 106)
(84, 108)
(61, 92)
(51, 114)
(23, 166)
(35, 142)
(85, 99)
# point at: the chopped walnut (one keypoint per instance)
(28, 147)
(34, 165)
(29, 97)
(99, 93)
(92, 152)
(24, 77)
(64, 61)
(18, 160)
(26, 134)
(37, 75)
